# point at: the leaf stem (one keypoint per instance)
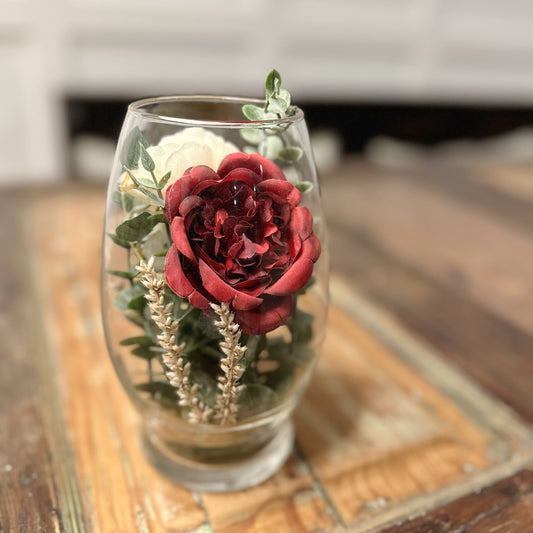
(139, 250)
(156, 184)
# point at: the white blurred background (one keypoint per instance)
(57, 55)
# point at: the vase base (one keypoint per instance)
(225, 477)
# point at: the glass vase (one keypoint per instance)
(214, 283)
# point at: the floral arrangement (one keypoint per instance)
(220, 249)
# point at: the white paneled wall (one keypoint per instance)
(466, 51)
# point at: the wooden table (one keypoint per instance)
(417, 420)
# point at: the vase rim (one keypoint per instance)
(142, 109)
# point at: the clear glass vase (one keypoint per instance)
(214, 283)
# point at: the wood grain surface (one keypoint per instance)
(393, 431)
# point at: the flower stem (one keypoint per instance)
(156, 184)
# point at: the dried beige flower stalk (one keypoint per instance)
(177, 373)
(226, 403)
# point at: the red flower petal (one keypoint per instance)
(242, 174)
(188, 204)
(184, 186)
(262, 166)
(299, 272)
(302, 222)
(181, 241)
(178, 281)
(283, 191)
(216, 286)
(272, 313)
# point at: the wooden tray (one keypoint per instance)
(386, 430)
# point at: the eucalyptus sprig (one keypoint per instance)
(274, 142)
(135, 150)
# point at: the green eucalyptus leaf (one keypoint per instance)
(119, 241)
(163, 181)
(138, 303)
(252, 136)
(122, 274)
(142, 340)
(144, 352)
(207, 326)
(130, 153)
(159, 201)
(272, 83)
(146, 159)
(300, 326)
(281, 377)
(135, 317)
(253, 112)
(137, 228)
(271, 146)
(159, 218)
(290, 154)
(128, 202)
(304, 186)
(276, 105)
(286, 97)
(130, 298)
(255, 345)
(207, 385)
(142, 181)
(158, 389)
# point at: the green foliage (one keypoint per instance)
(159, 390)
(146, 160)
(256, 398)
(304, 186)
(290, 154)
(271, 147)
(157, 218)
(299, 325)
(142, 340)
(144, 352)
(163, 181)
(253, 112)
(272, 143)
(252, 136)
(278, 100)
(118, 241)
(122, 274)
(144, 186)
(207, 383)
(137, 228)
(131, 298)
(131, 149)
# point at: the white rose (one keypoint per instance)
(175, 154)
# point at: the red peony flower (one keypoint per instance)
(239, 236)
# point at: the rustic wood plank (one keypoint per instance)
(505, 507)
(511, 180)
(287, 502)
(374, 435)
(29, 496)
(495, 353)
(462, 248)
(121, 491)
(503, 192)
